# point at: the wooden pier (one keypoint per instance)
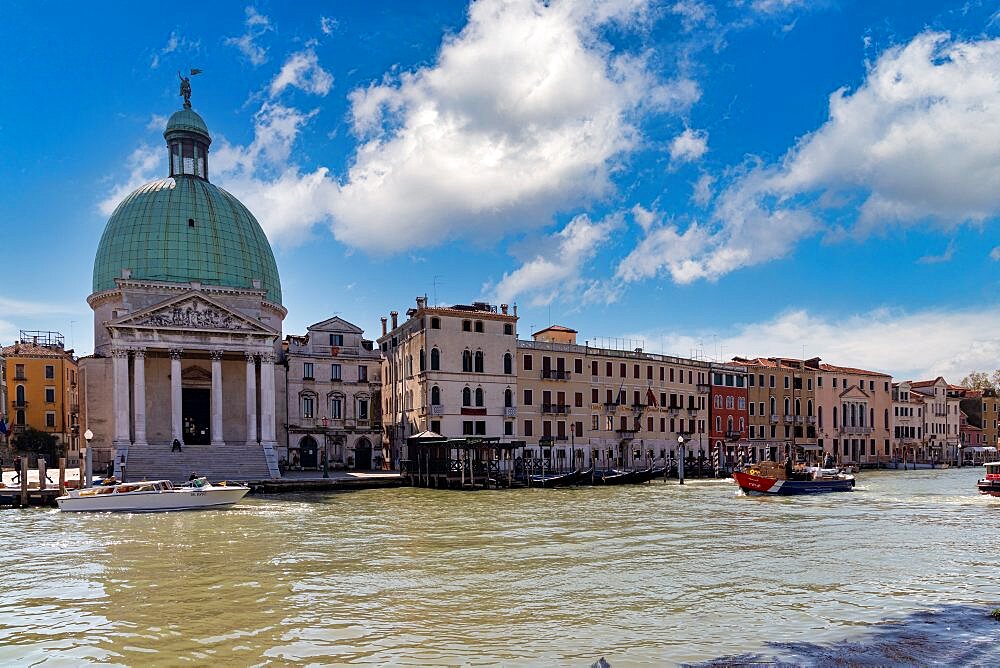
(40, 493)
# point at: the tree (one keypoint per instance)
(38, 442)
(982, 380)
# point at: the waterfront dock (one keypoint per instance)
(338, 481)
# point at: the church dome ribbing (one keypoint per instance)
(183, 228)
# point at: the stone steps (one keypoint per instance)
(155, 461)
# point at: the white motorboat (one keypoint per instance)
(152, 496)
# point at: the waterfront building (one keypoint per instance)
(43, 393)
(991, 416)
(908, 443)
(969, 435)
(333, 398)
(854, 413)
(941, 418)
(728, 411)
(602, 406)
(5, 408)
(449, 370)
(187, 326)
(782, 390)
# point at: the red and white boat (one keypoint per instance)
(773, 478)
(991, 483)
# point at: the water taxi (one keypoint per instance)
(152, 496)
(991, 483)
(774, 478)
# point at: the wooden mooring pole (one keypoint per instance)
(62, 475)
(24, 481)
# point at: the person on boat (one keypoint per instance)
(788, 467)
(17, 469)
(828, 462)
(193, 476)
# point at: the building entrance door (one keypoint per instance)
(308, 453)
(196, 405)
(363, 455)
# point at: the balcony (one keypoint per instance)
(19, 403)
(638, 408)
(733, 435)
(437, 409)
(812, 419)
(560, 437)
(555, 374)
(20, 376)
(510, 411)
(626, 433)
(557, 409)
(703, 388)
(692, 410)
(789, 418)
(800, 419)
(74, 408)
(774, 419)
(855, 430)
(611, 407)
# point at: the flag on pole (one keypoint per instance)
(3, 426)
(194, 71)
(651, 397)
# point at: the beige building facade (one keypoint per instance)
(942, 418)
(854, 410)
(908, 424)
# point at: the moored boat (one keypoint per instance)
(773, 478)
(990, 483)
(560, 480)
(152, 496)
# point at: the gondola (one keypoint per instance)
(614, 477)
(560, 480)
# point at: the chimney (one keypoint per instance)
(515, 310)
(421, 302)
(503, 309)
(395, 318)
(384, 320)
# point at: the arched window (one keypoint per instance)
(423, 361)
(435, 323)
(508, 363)
(729, 423)
(809, 407)
(435, 359)
(742, 425)
(508, 398)
(729, 402)
(773, 411)
(798, 407)
(466, 396)
(479, 361)
(718, 401)
(467, 360)
(479, 396)
(834, 417)
(787, 405)
(308, 404)
(19, 395)
(435, 396)
(336, 407)
(718, 423)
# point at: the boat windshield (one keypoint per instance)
(993, 469)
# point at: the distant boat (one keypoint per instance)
(772, 478)
(152, 496)
(560, 480)
(990, 483)
(615, 477)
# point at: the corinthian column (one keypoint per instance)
(251, 399)
(176, 409)
(217, 438)
(119, 398)
(267, 430)
(139, 395)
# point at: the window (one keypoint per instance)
(479, 397)
(527, 428)
(18, 372)
(308, 406)
(467, 361)
(508, 427)
(423, 361)
(479, 326)
(526, 361)
(752, 405)
(19, 417)
(334, 372)
(786, 382)
(771, 381)
(809, 383)
(742, 404)
(508, 363)
(50, 395)
(435, 323)
(508, 398)
(362, 409)
(607, 369)
(595, 422)
(509, 330)
(578, 366)
(435, 359)
(467, 428)
(467, 326)
(337, 407)
(527, 397)
(593, 368)
(435, 396)
(50, 419)
(595, 396)
(729, 403)
(307, 371)
(579, 400)
(336, 339)
(819, 381)
(362, 373)
(467, 396)
(750, 379)
(50, 371)
(479, 361)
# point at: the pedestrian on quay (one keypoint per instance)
(176, 446)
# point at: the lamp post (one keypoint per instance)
(959, 455)
(572, 436)
(680, 460)
(88, 460)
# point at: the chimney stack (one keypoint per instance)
(384, 320)
(395, 318)
(421, 302)
(515, 310)
(503, 309)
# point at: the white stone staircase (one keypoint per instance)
(232, 461)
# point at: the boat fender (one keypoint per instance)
(854, 483)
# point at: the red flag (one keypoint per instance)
(651, 397)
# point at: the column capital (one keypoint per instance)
(216, 355)
(267, 358)
(139, 353)
(251, 357)
(175, 353)
(119, 352)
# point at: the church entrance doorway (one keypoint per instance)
(308, 457)
(363, 454)
(196, 404)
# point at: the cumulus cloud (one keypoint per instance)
(775, 6)
(303, 71)
(909, 345)
(143, 164)
(328, 24)
(918, 142)
(689, 146)
(693, 13)
(257, 25)
(556, 269)
(524, 113)
(995, 253)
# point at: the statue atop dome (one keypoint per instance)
(186, 87)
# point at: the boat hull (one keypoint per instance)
(989, 487)
(762, 485)
(151, 502)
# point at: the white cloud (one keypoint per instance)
(918, 142)
(256, 26)
(995, 253)
(26, 309)
(694, 13)
(328, 24)
(555, 270)
(143, 164)
(701, 193)
(524, 113)
(775, 6)
(689, 146)
(174, 43)
(303, 71)
(946, 256)
(909, 345)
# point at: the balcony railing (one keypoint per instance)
(437, 409)
(703, 388)
(611, 406)
(20, 376)
(855, 430)
(626, 433)
(559, 409)
(812, 419)
(19, 403)
(555, 374)
(800, 419)
(789, 418)
(733, 435)
(774, 419)
(510, 411)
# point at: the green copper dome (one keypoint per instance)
(183, 229)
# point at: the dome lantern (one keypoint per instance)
(187, 144)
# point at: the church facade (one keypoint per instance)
(185, 375)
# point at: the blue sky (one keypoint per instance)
(740, 177)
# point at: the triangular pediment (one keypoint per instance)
(336, 324)
(854, 392)
(192, 311)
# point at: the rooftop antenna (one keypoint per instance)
(435, 283)
(71, 334)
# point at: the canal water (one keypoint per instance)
(903, 571)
